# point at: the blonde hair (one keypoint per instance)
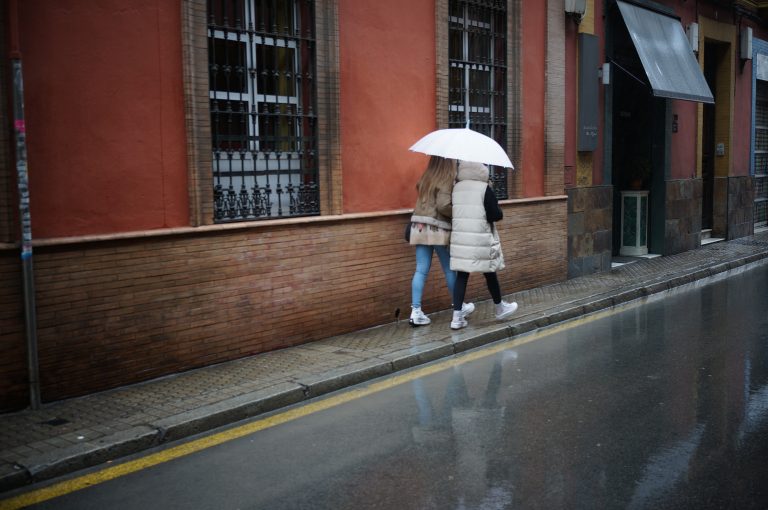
(440, 172)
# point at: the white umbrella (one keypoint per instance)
(464, 144)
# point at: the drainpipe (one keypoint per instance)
(19, 129)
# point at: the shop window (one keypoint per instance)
(477, 80)
(261, 59)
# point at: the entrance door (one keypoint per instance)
(715, 148)
(635, 121)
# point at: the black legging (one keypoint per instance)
(460, 288)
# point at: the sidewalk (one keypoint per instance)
(66, 436)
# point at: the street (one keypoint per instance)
(660, 405)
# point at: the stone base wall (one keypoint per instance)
(720, 207)
(590, 220)
(741, 210)
(683, 215)
(116, 312)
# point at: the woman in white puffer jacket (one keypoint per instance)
(475, 245)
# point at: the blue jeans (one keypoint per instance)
(423, 262)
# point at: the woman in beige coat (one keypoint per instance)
(431, 232)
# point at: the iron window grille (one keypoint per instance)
(263, 108)
(477, 59)
(760, 179)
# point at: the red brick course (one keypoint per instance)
(117, 312)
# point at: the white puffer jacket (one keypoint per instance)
(475, 245)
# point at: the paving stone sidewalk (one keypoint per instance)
(69, 435)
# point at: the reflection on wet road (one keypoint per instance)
(660, 406)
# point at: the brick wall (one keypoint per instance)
(590, 223)
(554, 178)
(197, 115)
(683, 215)
(514, 96)
(13, 373)
(116, 312)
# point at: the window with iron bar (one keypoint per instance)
(760, 179)
(477, 58)
(262, 103)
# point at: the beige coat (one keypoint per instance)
(475, 244)
(434, 210)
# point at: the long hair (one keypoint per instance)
(440, 172)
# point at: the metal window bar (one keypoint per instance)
(263, 115)
(760, 179)
(477, 57)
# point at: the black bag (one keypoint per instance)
(408, 232)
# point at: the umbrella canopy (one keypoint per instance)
(464, 144)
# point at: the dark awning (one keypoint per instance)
(666, 55)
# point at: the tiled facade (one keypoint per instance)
(589, 230)
(740, 207)
(683, 215)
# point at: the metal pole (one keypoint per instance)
(24, 215)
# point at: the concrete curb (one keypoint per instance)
(183, 425)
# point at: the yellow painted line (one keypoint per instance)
(110, 473)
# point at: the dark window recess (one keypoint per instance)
(228, 72)
(477, 56)
(262, 103)
(760, 178)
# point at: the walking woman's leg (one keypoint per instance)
(459, 290)
(423, 262)
(459, 319)
(445, 262)
(503, 309)
(493, 286)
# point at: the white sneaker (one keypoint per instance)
(418, 318)
(458, 321)
(467, 308)
(504, 309)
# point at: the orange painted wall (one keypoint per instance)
(684, 142)
(105, 115)
(683, 145)
(387, 57)
(534, 44)
(742, 117)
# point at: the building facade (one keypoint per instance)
(673, 149)
(211, 180)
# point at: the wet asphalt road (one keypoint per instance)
(659, 406)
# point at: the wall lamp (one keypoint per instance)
(745, 43)
(693, 36)
(576, 8)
